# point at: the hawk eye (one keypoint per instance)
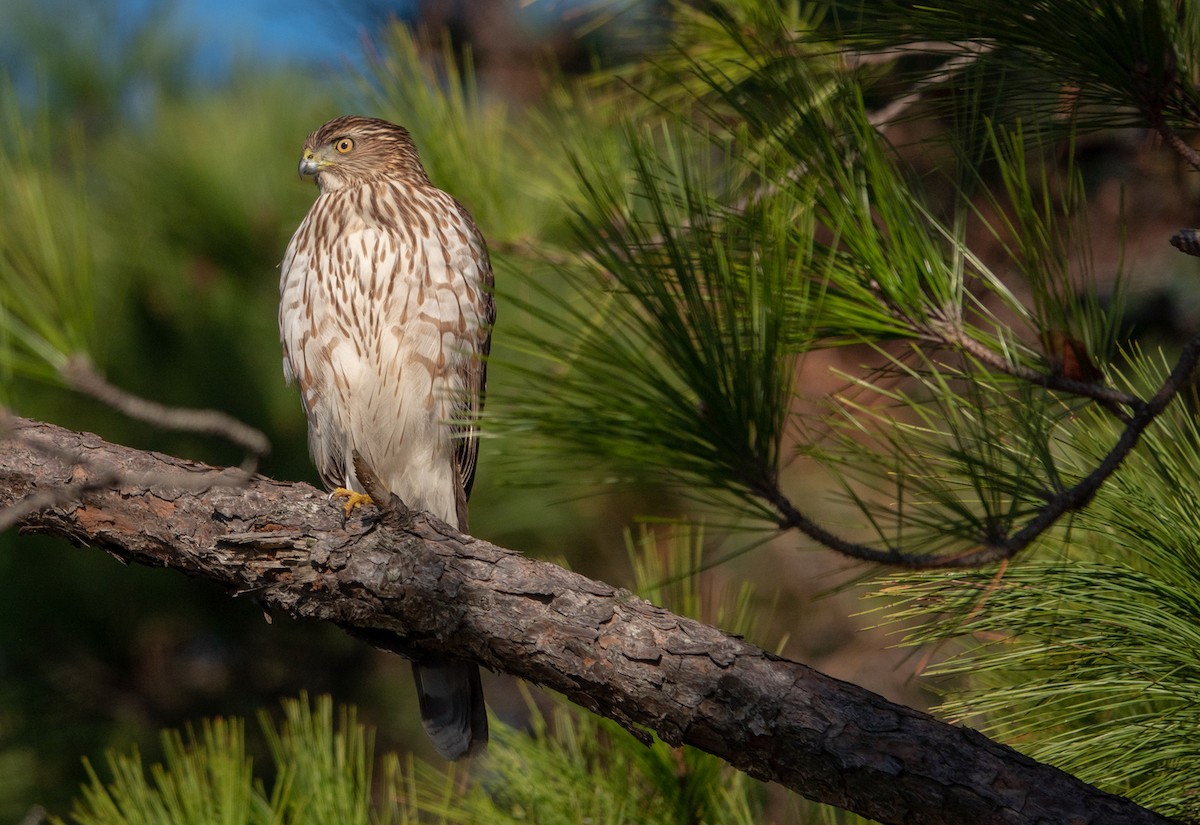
(344, 145)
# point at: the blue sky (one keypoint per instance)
(271, 30)
(317, 31)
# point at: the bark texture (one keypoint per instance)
(412, 584)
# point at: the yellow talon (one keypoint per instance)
(353, 499)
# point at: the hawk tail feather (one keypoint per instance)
(452, 707)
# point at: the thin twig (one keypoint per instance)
(854, 59)
(793, 519)
(953, 335)
(1082, 493)
(79, 373)
(1159, 123)
(54, 497)
(971, 54)
(530, 248)
(1181, 147)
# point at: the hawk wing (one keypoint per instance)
(306, 319)
(464, 426)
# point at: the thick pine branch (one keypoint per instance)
(411, 584)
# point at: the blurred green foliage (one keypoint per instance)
(323, 772)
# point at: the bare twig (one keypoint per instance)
(969, 54)
(536, 250)
(1082, 493)
(924, 47)
(1158, 122)
(953, 335)
(57, 497)
(51, 497)
(80, 375)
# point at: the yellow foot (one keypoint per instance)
(353, 499)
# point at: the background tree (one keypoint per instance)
(690, 243)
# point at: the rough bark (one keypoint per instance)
(412, 584)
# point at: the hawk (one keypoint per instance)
(385, 316)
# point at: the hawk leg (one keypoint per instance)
(353, 499)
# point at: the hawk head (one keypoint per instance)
(351, 151)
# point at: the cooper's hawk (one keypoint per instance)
(385, 315)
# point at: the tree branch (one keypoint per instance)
(1006, 545)
(419, 586)
(1160, 124)
(951, 334)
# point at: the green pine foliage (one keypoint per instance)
(743, 244)
(690, 334)
(1086, 656)
(322, 774)
(48, 296)
(204, 778)
(1125, 61)
(573, 768)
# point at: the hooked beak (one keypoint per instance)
(310, 165)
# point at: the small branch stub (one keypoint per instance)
(1187, 241)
